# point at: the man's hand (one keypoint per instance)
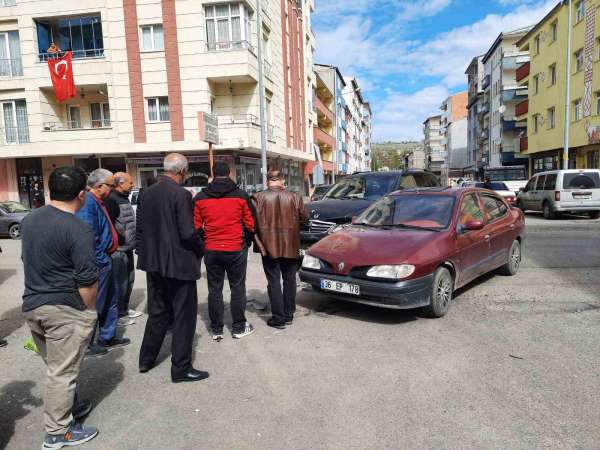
(260, 245)
(88, 295)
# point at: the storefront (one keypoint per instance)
(90, 163)
(541, 162)
(30, 181)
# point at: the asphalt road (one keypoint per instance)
(514, 364)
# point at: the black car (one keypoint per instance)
(320, 192)
(353, 194)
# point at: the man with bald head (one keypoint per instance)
(169, 251)
(123, 218)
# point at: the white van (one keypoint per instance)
(562, 191)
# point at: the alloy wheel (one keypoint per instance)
(444, 290)
(15, 231)
(515, 257)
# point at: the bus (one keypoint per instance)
(515, 177)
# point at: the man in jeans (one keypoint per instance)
(280, 213)
(222, 214)
(94, 214)
(122, 216)
(61, 283)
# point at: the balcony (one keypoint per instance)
(512, 94)
(511, 62)
(230, 62)
(324, 138)
(524, 143)
(322, 108)
(483, 109)
(522, 108)
(509, 125)
(80, 34)
(486, 82)
(523, 71)
(239, 131)
(11, 67)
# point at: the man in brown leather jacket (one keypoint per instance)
(279, 213)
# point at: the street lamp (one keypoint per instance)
(568, 91)
(261, 94)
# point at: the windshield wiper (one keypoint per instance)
(370, 225)
(412, 227)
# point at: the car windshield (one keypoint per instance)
(13, 207)
(362, 187)
(411, 211)
(494, 186)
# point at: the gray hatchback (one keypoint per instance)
(11, 215)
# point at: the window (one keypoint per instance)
(10, 54)
(536, 122)
(494, 207)
(227, 26)
(81, 35)
(152, 38)
(536, 84)
(579, 11)
(551, 117)
(541, 181)
(536, 44)
(577, 110)
(8, 2)
(598, 102)
(158, 109)
(581, 180)
(100, 114)
(73, 116)
(550, 182)
(531, 184)
(554, 31)
(470, 210)
(14, 117)
(552, 73)
(579, 60)
(593, 160)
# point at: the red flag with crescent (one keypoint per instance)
(61, 72)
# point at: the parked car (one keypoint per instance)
(134, 197)
(353, 194)
(562, 191)
(497, 186)
(11, 215)
(320, 192)
(414, 248)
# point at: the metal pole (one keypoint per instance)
(261, 94)
(568, 93)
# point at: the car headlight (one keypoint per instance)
(310, 262)
(391, 272)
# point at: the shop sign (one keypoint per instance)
(208, 124)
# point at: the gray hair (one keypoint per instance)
(175, 163)
(98, 176)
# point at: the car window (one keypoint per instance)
(408, 181)
(424, 180)
(581, 180)
(494, 207)
(540, 182)
(470, 210)
(14, 207)
(550, 183)
(379, 186)
(531, 184)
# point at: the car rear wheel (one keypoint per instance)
(441, 294)
(514, 260)
(549, 214)
(15, 231)
(594, 215)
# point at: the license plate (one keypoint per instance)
(582, 196)
(338, 286)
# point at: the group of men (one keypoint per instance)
(78, 256)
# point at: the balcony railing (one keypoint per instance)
(485, 83)
(77, 54)
(11, 67)
(483, 108)
(523, 71)
(524, 143)
(235, 119)
(230, 45)
(14, 135)
(512, 94)
(522, 108)
(72, 125)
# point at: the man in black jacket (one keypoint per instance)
(169, 251)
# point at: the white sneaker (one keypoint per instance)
(125, 321)
(217, 337)
(247, 331)
(132, 313)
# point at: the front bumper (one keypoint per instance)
(401, 295)
(576, 207)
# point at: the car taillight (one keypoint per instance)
(557, 196)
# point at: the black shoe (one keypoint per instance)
(146, 367)
(273, 323)
(191, 375)
(95, 350)
(114, 343)
(3, 343)
(81, 409)
(289, 321)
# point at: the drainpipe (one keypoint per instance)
(261, 95)
(568, 93)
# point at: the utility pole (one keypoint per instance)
(568, 93)
(261, 95)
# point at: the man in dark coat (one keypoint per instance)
(169, 252)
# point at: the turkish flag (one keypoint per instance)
(61, 72)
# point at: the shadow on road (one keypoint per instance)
(11, 321)
(5, 274)
(100, 376)
(16, 401)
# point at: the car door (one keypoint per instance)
(472, 246)
(500, 228)
(537, 196)
(525, 195)
(3, 221)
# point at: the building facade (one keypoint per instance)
(325, 129)
(144, 70)
(476, 139)
(545, 77)
(453, 126)
(358, 128)
(435, 154)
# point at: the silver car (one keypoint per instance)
(562, 191)
(11, 215)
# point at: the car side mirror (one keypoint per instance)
(473, 225)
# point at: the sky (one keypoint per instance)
(409, 55)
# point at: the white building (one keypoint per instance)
(435, 155)
(358, 127)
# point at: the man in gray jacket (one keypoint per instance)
(123, 217)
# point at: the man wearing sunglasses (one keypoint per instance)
(100, 183)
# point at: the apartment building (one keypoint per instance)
(453, 126)
(476, 138)
(144, 72)
(358, 127)
(545, 79)
(502, 94)
(435, 155)
(325, 129)
(415, 158)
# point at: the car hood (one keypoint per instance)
(358, 246)
(16, 216)
(336, 210)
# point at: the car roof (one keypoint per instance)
(389, 172)
(444, 191)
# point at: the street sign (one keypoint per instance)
(208, 125)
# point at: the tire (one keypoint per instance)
(514, 260)
(594, 215)
(14, 231)
(549, 214)
(441, 293)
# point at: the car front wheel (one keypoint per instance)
(15, 231)
(441, 295)
(549, 214)
(514, 260)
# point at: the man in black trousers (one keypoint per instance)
(169, 251)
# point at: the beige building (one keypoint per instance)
(433, 144)
(144, 70)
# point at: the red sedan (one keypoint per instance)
(413, 248)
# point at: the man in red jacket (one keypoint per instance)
(222, 213)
